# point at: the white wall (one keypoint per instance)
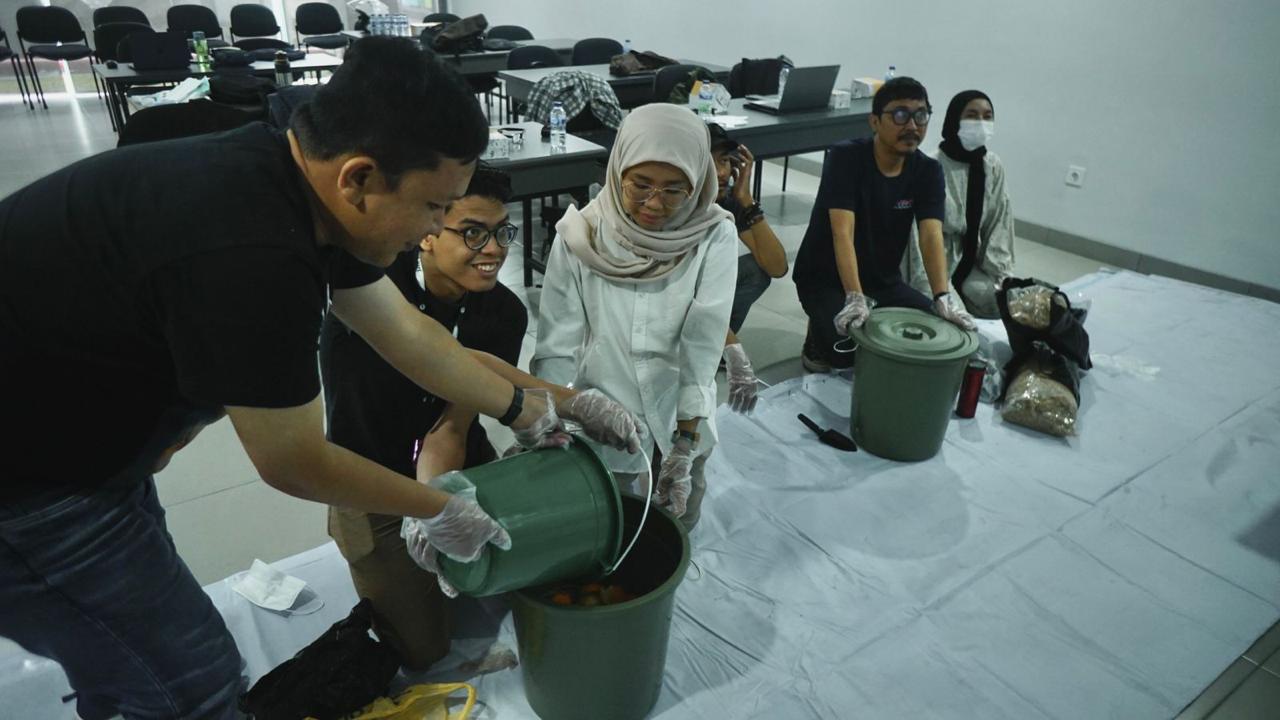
(1172, 106)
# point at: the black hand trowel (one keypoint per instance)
(830, 437)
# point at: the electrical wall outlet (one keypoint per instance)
(1075, 176)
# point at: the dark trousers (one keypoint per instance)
(822, 302)
(91, 579)
(752, 282)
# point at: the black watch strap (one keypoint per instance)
(514, 410)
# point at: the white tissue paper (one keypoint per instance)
(267, 587)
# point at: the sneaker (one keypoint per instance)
(811, 356)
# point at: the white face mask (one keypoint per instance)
(974, 134)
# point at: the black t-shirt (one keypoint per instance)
(378, 413)
(884, 209)
(146, 288)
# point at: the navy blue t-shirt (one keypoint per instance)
(884, 209)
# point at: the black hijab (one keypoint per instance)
(954, 149)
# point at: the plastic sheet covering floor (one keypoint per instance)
(1015, 575)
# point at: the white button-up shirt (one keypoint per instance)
(652, 346)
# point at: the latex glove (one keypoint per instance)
(545, 430)
(460, 531)
(602, 419)
(948, 307)
(742, 380)
(675, 479)
(853, 314)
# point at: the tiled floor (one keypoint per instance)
(222, 516)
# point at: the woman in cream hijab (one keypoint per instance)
(637, 295)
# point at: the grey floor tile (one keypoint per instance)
(1272, 665)
(1258, 698)
(1226, 683)
(1265, 646)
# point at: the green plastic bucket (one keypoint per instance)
(908, 372)
(562, 510)
(606, 661)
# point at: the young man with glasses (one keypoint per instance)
(871, 191)
(376, 412)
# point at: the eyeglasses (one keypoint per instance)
(672, 198)
(902, 115)
(477, 236)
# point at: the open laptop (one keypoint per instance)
(159, 51)
(808, 88)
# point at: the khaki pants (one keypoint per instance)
(412, 615)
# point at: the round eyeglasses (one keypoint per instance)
(477, 236)
(672, 198)
(902, 115)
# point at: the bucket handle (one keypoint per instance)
(648, 500)
(844, 350)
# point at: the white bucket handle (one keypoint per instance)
(648, 500)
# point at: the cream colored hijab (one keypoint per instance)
(658, 132)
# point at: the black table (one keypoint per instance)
(118, 80)
(632, 90)
(492, 61)
(537, 171)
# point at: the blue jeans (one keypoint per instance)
(91, 579)
(752, 282)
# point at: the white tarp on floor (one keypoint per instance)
(1113, 574)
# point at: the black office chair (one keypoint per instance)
(254, 21)
(55, 35)
(594, 51)
(509, 32)
(187, 19)
(445, 18)
(119, 14)
(107, 38)
(668, 78)
(524, 58)
(7, 53)
(318, 24)
(168, 122)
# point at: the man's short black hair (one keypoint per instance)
(899, 88)
(397, 103)
(489, 182)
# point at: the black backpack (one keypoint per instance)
(464, 36)
(757, 77)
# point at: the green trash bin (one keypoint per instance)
(909, 367)
(607, 661)
(562, 510)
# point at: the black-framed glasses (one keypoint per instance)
(672, 198)
(901, 115)
(477, 236)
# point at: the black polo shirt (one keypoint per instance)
(884, 209)
(378, 413)
(142, 290)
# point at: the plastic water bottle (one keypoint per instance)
(890, 73)
(626, 46)
(782, 79)
(558, 122)
(201, 44)
(403, 25)
(284, 76)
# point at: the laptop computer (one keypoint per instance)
(808, 88)
(159, 51)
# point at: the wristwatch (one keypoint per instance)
(513, 410)
(689, 435)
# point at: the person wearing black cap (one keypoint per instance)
(871, 192)
(760, 257)
(977, 232)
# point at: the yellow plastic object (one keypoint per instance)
(420, 702)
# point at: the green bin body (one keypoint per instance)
(607, 661)
(909, 367)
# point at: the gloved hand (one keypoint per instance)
(675, 480)
(602, 419)
(742, 381)
(948, 307)
(853, 314)
(544, 430)
(460, 531)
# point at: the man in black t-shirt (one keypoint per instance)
(871, 191)
(148, 290)
(375, 411)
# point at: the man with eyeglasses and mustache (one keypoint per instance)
(376, 412)
(871, 191)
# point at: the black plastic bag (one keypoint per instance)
(1064, 335)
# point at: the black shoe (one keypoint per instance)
(811, 356)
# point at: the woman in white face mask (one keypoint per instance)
(978, 228)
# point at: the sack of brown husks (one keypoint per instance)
(1039, 396)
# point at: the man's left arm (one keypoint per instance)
(759, 238)
(930, 203)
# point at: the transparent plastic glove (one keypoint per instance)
(602, 419)
(460, 531)
(853, 314)
(545, 430)
(742, 380)
(675, 480)
(948, 307)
